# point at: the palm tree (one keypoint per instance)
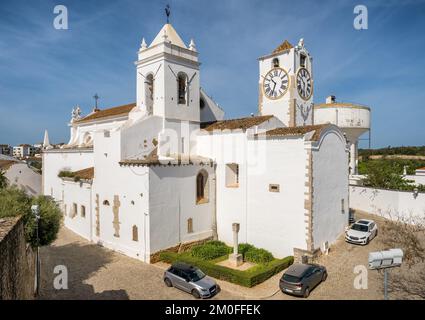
(3, 180)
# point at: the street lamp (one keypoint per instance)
(36, 212)
(385, 260)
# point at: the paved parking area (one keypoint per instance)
(99, 273)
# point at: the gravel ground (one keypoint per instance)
(98, 273)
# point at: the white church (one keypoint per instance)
(168, 169)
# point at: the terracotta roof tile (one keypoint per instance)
(153, 159)
(233, 124)
(297, 131)
(85, 174)
(285, 45)
(6, 164)
(115, 111)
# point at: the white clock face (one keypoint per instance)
(304, 84)
(275, 83)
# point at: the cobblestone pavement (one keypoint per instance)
(99, 273)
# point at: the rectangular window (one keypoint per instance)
(106, 134)
(232, 175)
(303, 59)
(274, 188)
(190, 225)
(182, 145)
(74, 210)
(83, 211)
(342, 206)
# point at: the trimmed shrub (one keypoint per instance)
(210, 250)
(66, 174)
(257, 255)
(244, 247)
(247, 278)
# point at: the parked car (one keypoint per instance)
(300, 279)
(361, 232)
(190, 279)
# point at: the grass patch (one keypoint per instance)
(247, 278)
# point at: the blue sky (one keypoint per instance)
(44, 72)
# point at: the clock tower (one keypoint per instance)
(286, 84)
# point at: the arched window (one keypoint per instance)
(182, 88)
(275, 63)
(106, 203)
(149, 92)
(135, 233)
(202, 187)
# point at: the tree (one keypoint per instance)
(3, 180)
(408, 281)
(15, 202)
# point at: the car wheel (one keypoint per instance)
(324, 277)
(367, 241)
(196, 294)
(306, 292)
(168, 282)
(376, 233)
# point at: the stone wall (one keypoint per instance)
(17, 261)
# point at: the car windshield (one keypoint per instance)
(196, 275)
(359, 227)
(289, 278)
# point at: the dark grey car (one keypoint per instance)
(300, 279)
(190, 279)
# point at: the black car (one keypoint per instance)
(300, 279)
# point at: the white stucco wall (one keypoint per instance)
(132, 187)
(275, 220)
(81, 194)
(388, 203)
(21, 175)
(330, 186)
(172, 200)
(59, 160)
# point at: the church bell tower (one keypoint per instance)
(286, 84)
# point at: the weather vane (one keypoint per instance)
(168, 12)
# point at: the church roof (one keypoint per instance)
(152, 160)
(6, 164)
(171, 34)
(110, 112)
(285, 45)
(233, 124)
(297, 131)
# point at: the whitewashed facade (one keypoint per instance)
(166, 170)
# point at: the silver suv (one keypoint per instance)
(190, 279)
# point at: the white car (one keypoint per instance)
(361, 232)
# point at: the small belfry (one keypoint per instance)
(286, 84)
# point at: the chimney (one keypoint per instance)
(330, 99)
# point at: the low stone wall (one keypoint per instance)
(17, 261)
(182, 247)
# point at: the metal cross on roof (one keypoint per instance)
(96, 97)
(168, 12)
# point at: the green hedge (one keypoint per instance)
(210, 250)
(247, 278)
(257, 255)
